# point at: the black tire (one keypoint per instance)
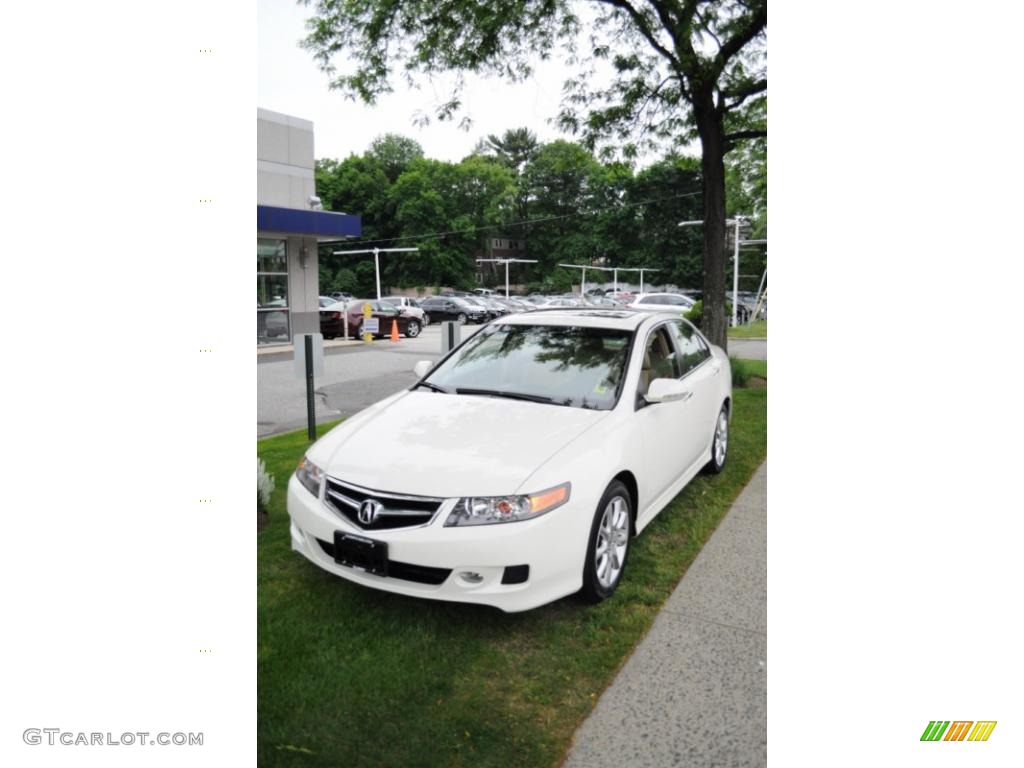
(412, 330)
(462, 317)
(719, 457)
(426, 318)
(595, 589)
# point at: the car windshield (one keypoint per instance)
(564, 365)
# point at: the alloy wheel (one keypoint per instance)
(612, 541)
(721, 438)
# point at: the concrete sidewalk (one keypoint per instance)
(694, 692)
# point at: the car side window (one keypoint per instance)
(659, 360)
(692, 349)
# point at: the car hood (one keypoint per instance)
(427, 443)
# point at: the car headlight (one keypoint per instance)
(478, 510)
(310, 475)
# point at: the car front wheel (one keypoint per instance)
(608, 548)
(412, 330)
(719, 443)
(462, 317)
(426, 319)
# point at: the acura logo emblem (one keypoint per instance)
(368, 511)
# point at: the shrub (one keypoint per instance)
(264, 486)
(695, 313)
(740, 372)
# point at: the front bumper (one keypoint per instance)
(553, 546)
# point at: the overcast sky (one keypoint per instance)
(290, 82)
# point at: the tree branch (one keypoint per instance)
(746, 89)
(645, 29)
(741, 94)
(755, 24)
(758, 133)
(667, 22)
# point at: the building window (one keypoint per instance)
(272, 314)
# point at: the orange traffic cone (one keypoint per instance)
(394, 331)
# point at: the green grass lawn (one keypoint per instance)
(743, 369)
(756, 330)
(349, 676)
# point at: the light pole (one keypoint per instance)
(615, 274)
(642, 270)
(376, 259)
(506, 262)
(583, 278)
(735, 261)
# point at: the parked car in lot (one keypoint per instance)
(453, 308)
(514, 304)
(342, 296)
(747, 304)
(627, 406)
(558, 301)
(332, 320)
(408, 306)
(594, 300)
(662, 301)
(326, 301)
(492, 310)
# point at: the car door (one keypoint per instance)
(387, 316)
(701, 371)
(671, 432)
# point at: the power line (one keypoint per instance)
(527, 222)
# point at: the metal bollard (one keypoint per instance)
(450, 336)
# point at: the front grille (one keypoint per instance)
(396, 510)
(422, 574)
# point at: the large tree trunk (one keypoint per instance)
(709, 128)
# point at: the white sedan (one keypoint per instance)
(530, 457)
(662, 301)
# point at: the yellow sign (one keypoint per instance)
(369, 323)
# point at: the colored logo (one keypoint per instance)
(958, 730)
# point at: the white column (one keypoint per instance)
(736, 275)
(376, 269)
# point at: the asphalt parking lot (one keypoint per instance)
(355, 376)
(358, 375)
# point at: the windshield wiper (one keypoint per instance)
(432, 387)
(499, 393)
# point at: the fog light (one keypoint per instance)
(471, 577)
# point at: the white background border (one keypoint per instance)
(894, 550)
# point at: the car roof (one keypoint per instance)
(597, 317)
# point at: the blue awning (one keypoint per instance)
(323, 225)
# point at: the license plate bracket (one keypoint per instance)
(359, 552)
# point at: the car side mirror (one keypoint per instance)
(667, 391)
(422, 368)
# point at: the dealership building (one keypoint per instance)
(289, 227)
